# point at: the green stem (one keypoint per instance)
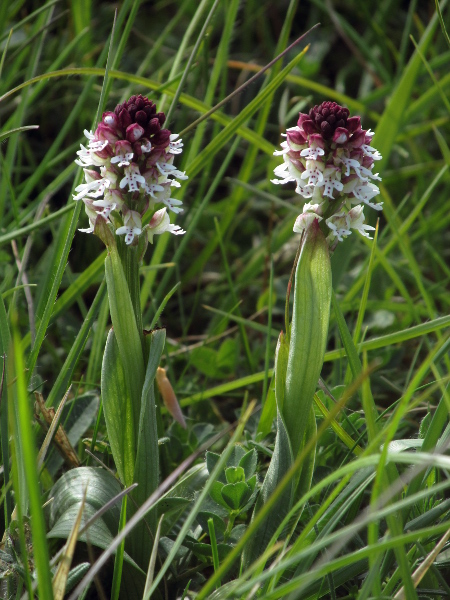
(230, 526)
(288, 293)
(129, 256)
(215, 552)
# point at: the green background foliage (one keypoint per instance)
(363, 530)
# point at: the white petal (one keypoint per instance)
(132, 178)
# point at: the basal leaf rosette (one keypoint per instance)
(129, 171)
(329, 157)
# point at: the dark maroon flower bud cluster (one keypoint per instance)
(142, 111)
(327, 117)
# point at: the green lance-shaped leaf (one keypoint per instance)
(130, 357)
(281, 363)
(146, 472)
(302, 483)
(297, 368)
(309, 328)
(117, 410)
(278, 384)
(280, 463)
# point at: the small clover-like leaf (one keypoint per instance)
(252, 483)
(236, 494)
(236, 455)
(205, 550)
(202, 549)
(234, 474)
(216, 494)
(219, 524)
(236, 533)
(248, 462)
(211, 460)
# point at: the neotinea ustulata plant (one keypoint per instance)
(129, 177)
(329, 157)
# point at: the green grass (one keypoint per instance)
(378, 505)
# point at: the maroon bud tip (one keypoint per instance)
(302, 117)
(296, 137)
(153, 126)
(134, 132)
(124, 119)
(309, 127)
(353, 124)
(162, 138)
(141, 111)
(358, 138)
(141, 117)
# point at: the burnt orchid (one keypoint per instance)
(329, 156)
(132, 155)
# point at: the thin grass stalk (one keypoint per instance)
(118, 559)
(30, 494)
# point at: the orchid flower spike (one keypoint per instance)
(128, 170)
(329, 157)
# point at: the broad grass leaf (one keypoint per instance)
(68, 492)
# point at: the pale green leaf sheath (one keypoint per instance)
(309, 329)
